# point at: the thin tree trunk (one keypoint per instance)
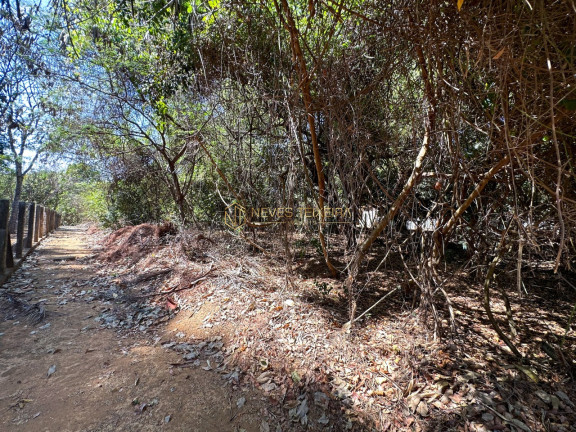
(486, 302)
(17, 195)
(475, 194)
(396, 206)
(307, 98)
(179, 196)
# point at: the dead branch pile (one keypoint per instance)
(385, 375)
(135, 242)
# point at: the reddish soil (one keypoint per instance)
(134, 241)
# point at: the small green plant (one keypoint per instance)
(300, 243)
(317, 245)
(323, 287)
(301, 246)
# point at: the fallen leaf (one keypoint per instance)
(555, 403)
(439, 405)
(422, 408)
(413, 402)
(468, 376)
(499, 54)
(443, 386)
(321, 399)
(264, 377)
(268, 387)
(564, 398)
(520, 425)
(487, 417)
(295, 377)
(544, 396)
(528, 372)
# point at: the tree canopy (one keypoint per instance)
(456, 118)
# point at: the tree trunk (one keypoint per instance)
(17, 195)
(354, 267)
(302, 69)
(177, 194)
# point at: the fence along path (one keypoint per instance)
(34, 222)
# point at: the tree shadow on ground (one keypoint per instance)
(373, 374)
(503, 393)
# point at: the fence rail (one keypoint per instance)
(34, 222)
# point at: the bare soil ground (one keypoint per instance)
(68, 373)
(153, 330)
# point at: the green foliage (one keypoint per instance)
(135, 201)
(76, 192)
(323, 287)
(191, 104)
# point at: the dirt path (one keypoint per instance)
(99, 379)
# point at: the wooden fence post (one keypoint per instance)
(42, 229)
(37, 224)
(4, 234)
(31, 226)
(20, 229)
(41, 222)
(45, 220)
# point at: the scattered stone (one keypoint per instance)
(51, 370)
(240, 402)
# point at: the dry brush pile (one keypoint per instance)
(288, 341)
